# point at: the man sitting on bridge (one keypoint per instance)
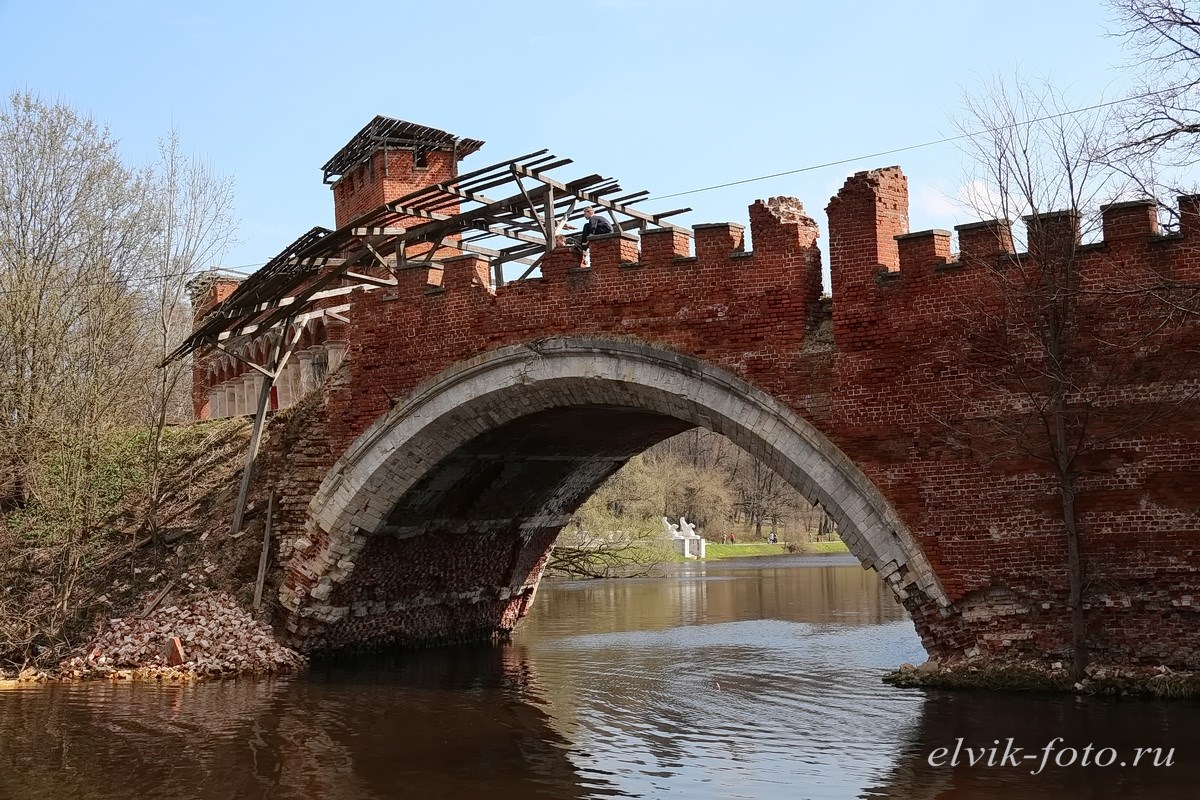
(594, 226)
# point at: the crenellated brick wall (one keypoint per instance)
(894, 372)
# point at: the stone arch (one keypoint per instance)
(404, 463)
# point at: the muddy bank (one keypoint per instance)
(1105, 680)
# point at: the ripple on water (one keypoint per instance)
(757, 683)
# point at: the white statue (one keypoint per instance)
(687, 530)
(672, 529)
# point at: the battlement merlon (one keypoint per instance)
(870, 242)
(923, 251)
(865, 217)
(984, 241)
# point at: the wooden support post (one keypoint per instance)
(549, 225)
(266, 549)
(283, 350)
(260, 417)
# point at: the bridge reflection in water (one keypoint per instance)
(752, 679)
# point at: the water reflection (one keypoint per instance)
(442, 723)
(987, 720)
(731, 680)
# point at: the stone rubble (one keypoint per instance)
(216, 638)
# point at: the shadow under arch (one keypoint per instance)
(437, 521)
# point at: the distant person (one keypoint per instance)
(593, 226)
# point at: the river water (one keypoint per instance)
(738, 679)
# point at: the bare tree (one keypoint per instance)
(617, 531)
(1156, 134)
(195, 206)
(761, 494)
(76, 231)
(74, 240)
(1052, 350)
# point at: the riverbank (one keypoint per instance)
(1103, 680)
(111, 602)
(208, 635)
(715, 551)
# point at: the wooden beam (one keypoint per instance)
(284, 302)
(220, 346)
(315, 262)
(384, 231)
(305, 317)
(261, 580)
(439, 233)
(592, 198)
(550, 223)
(260, 415)
(380, 282)
(279, 357)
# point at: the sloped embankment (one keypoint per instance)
(111, 601)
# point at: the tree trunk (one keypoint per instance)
(1076, 566)
(1076, 570)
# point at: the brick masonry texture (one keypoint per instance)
(436, 468)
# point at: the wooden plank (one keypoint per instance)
(266, 549)
(380, 282)
(260, 417)
(221, 346)
(315, 262)
(305, 317)
(158, 598)
(600, 201)
(290, 301)
(440, 232)
(379, 231)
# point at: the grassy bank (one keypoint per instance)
(715, 551)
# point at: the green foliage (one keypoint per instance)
(698, 475)
(81, 493)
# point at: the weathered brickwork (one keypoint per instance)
(435, 509)
(386, 176)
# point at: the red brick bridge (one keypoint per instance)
(461, 422)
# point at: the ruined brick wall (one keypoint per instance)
(732, 307)
(891, 373)
(921, 410)
(217, 292)
(749, 312)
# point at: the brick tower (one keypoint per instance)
(388, 159)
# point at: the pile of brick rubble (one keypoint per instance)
(208, 635)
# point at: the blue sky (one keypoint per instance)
(666, 96)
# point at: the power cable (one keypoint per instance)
(798, 170)
(931, 143)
